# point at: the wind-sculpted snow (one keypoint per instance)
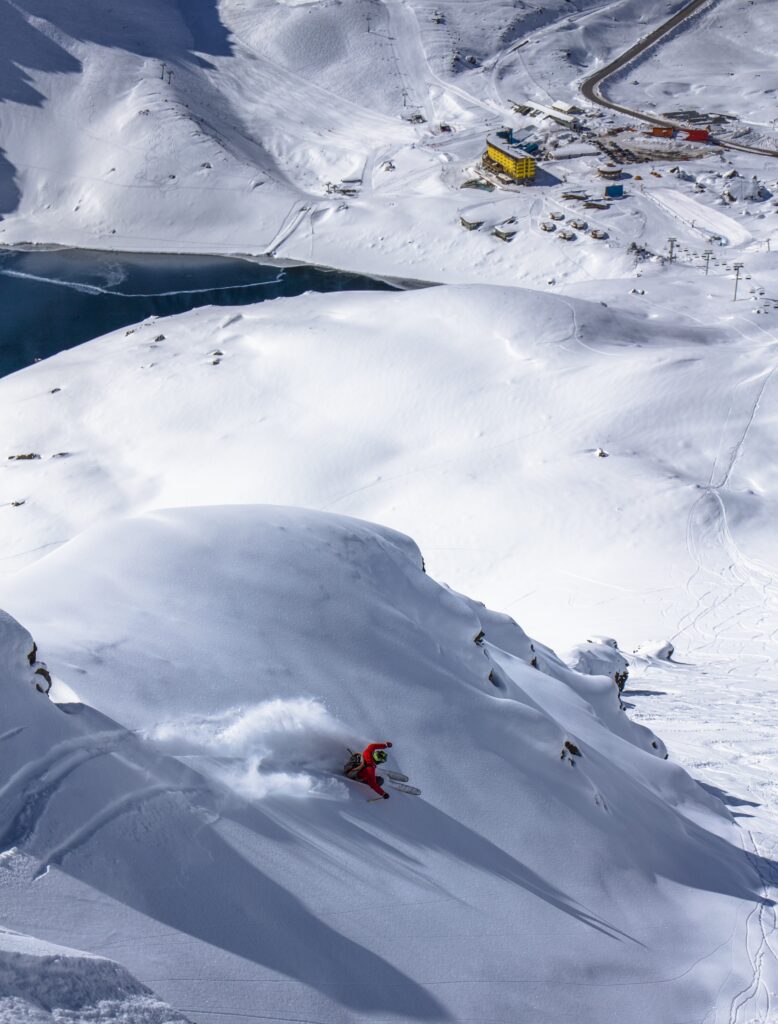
(225, 658)
(41, 983)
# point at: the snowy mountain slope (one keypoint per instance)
(253, 645)
(219, 128)
(328, 402)
(596, 461)
(550, 48)
(49, 780)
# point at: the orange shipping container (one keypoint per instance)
(665, 133)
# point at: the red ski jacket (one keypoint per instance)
(366, 773)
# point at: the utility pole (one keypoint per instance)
(671, 242)
(738, 267)
(162, 69)
(706, 256)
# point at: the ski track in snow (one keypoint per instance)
(699, 217)
(735, 605)
(113, 810)
(38, 769)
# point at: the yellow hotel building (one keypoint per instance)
(514, 161)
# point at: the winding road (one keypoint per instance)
(591, 87)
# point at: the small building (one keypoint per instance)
(664, 132)
(697, 134)
(470, 225)
(555, 114)
(566, 108)
(610, 171)
(614, 191)
(510, 158)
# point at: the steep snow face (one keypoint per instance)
(16, 648)
(245, 649)
(47, 774)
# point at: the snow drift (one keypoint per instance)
(552, 839)
(45, 984)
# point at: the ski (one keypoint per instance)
(402, 788)
(396, 776)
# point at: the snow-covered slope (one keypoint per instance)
(50, 785)
(245, 648)
(468, 417)
(597, 459)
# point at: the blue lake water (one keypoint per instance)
(50, 301)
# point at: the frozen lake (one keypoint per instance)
(50, 301)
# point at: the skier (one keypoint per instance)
(362, 766)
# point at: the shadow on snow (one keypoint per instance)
(178, 31)
(197, 860)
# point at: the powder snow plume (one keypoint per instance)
(270, 748)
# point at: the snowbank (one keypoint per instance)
(600, 657)
(45, 984)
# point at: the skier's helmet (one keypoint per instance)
(379, 756)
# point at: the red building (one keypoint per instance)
(697, 134)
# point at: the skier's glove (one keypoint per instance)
(386, 796)
(388, 743)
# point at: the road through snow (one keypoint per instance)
(591, 87)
